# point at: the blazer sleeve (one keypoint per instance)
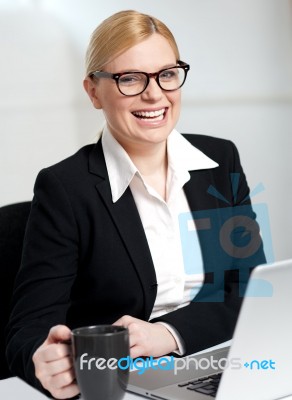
(211, 316)
(48, 269)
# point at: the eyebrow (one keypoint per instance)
(139, 70)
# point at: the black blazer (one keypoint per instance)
(86, 259)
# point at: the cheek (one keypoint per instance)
(176, 103)
(178, 99)
(176, 107)
(175, 98)
(117, 112)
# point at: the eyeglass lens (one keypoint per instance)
(135, 83)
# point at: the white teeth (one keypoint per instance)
(149, 114)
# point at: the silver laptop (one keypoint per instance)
(257, 366)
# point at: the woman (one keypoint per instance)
(103, 238)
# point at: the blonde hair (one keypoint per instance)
(120, 32)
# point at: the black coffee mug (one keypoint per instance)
(100, 356)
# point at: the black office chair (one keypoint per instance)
(13, 220)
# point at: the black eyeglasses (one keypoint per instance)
(134, 83)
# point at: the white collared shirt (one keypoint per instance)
(160, 218)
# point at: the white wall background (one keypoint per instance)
(239, 87)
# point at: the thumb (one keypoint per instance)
(59, 333)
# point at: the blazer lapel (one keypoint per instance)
(203, 205)
(196, 190)
(126, 218)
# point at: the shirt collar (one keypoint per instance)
(182, 157)
(120, 167)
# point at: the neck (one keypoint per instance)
(150, 160)
(152, 165)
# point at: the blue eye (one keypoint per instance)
(131, 79)
(168, 74)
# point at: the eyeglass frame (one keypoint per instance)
(116, 77)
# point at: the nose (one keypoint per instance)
(152, 92)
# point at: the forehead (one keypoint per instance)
(150, 55)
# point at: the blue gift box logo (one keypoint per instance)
(229, 239)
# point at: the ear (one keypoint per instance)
(91, 88)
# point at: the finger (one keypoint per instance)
(118, 322)
(62, 380)
(66, 392)
(58, 334)
(133, 340)
(53, 352)
(137, 351)
(125, 320)
(60, 366)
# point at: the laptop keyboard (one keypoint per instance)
(207, 385)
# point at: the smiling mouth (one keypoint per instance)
(157, 115)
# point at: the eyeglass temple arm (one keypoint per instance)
(184, 65)
(101, 74)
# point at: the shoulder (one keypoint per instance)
(76, 160)
(216, 148)
(78, 164)
(71, 173)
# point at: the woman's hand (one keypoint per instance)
(147, 339)
(54, 365)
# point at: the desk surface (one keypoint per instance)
(16, 389)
